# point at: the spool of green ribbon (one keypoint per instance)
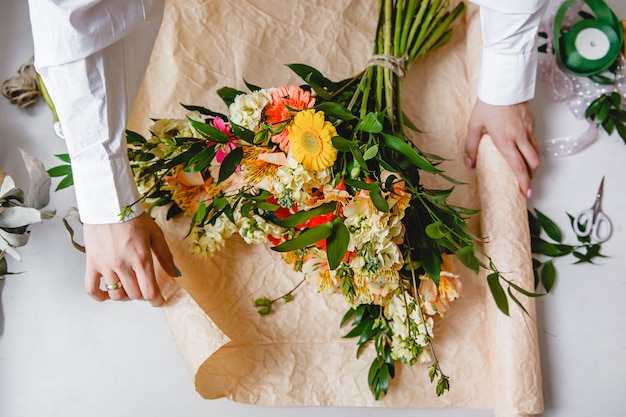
(589, 47)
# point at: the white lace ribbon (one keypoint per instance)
(577, 92)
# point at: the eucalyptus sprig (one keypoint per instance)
(19, 210)
(547, 245)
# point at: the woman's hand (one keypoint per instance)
(512, 130)
(122, 253)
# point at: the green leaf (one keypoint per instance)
(542, 247)
(436, 230)
(209, 132)
(242, 133)
(370, 124)
(230, 163)
(361, 185)
(379, 201)
(603, 112)
(621, 130)
(337, 243)
(131, 138)
(358, 156)
(60, 170)
(348, 316)
(468, 258)
(497, 292)
(335, 110)
(516, 301)
(343, 144)
(431, 263)
(203, 110)
(306, 238)
(201, 213)
(228, 94)
(533, 224)
(312, 76)
(201, 160)
(401, 146)
(548, 274)
(303, 216)
(371, 152)
(63, 157)
(65, 183)
(551, 229)
(267, 206)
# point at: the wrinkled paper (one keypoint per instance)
(296, 355)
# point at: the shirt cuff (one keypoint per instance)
(507, 79)
(115, 187)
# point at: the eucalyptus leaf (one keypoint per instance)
(8, 185)
(40, 183)
(305, 215)
(9, 250)
(12, 217)
(3, 266)
(15, 239)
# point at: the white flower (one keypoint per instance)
(247, 109)
(255, 229)
(210, 239)
(295, 183)
(411, 334)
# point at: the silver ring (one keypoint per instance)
(113, 287)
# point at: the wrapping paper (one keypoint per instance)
(297, 356)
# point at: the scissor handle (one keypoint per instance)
(602, 228)
(583, 223)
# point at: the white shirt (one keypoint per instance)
(86, 53)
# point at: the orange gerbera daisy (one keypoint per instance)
(278, 111)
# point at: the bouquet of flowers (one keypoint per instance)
(325, 173)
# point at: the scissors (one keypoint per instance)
(593, 222)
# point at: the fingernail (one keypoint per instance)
(529, 193)
(178, 273)
(469, 162)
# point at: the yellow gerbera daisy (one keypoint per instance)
(310, 136)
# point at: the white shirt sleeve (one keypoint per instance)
(509, 59)
(92, 56)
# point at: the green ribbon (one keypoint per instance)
(567, 54)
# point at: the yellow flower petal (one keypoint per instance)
(311, 136)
